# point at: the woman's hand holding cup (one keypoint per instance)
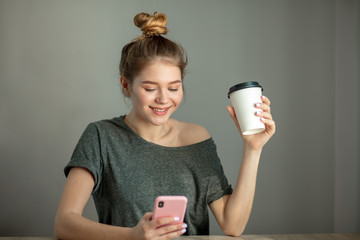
(255, 114)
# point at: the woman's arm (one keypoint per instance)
(69, 222)
(233, 211)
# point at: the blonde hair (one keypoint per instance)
(151, 46)
(151, 25)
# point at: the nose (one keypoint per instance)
(162, 97)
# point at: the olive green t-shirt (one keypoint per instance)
(131, 172)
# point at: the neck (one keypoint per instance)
(148, 131)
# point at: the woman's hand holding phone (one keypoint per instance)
(160, 228)
(166, 222)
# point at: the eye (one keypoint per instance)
(173, 89)
(149, 89)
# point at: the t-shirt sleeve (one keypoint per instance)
(218, 184)
(87, 154)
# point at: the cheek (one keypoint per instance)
(178, 98)
(139, 99)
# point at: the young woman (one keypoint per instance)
(126, 162)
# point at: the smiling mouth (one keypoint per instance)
(159, 109)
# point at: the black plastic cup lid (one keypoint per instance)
(242, 86)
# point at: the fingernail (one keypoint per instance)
(176, 218)
(258, 113)
(257, 105)
(184, 226)
(183, 231)
(262, 119)
(262, 97)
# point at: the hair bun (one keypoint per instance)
(151, 25)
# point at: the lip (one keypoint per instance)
(160, 111)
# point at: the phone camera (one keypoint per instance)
(161, 204)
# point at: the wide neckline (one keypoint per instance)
(123, 123)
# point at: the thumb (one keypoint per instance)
(147, 216)
(232, 114)
(231, 111)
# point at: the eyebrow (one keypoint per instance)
(151, 82)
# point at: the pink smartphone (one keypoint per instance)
(170, 206)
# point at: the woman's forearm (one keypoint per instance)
(73, 226)
(239, 204)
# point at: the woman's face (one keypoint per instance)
(156, 93)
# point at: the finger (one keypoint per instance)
(181, 228)
(269, 123)
(263, 114)
(265, 100)
(164, 221)
(232, 114)
(147, 216)
(145, 221)
(263, 106)
(172, 235)
(231, 111)
(159, 226)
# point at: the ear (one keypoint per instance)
(125, 86)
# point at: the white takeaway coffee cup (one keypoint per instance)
(243, 97)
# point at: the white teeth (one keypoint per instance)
(159, 110)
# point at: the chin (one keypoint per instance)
(159, 122)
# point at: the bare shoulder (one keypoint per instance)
(190, 133)
(195, 129)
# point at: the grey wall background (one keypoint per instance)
(58, 72)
